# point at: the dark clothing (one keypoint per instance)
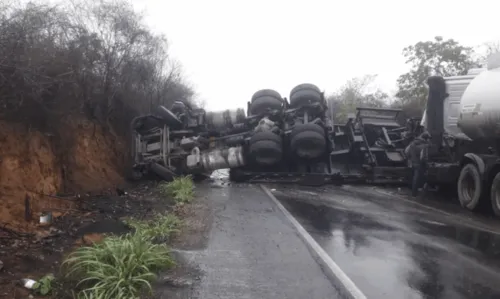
(416, 153)
(417, 180)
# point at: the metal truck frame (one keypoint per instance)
(277, 140)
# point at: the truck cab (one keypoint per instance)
(463, 118)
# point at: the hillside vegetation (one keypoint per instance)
(439, 56)
(72, 77)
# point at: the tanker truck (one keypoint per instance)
(463, 119)
(276, 135)
(278, 139)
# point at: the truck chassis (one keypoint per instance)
(296, 141)
(279, 143)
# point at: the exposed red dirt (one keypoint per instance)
(56, 172)
(81, 157)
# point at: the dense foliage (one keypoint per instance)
(96, 58)
(425, 58)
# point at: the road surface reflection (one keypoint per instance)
(395, 251)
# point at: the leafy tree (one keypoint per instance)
(487, 49)
(356, 93)
(492, 48)
(98, 59)
(436, 57)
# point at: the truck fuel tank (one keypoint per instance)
(480, 106)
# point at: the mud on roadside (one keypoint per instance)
(35, 255)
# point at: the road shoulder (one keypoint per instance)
(250, 250)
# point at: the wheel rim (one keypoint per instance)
(468, 187)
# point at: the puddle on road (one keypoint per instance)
(403, 256)
(485, 243)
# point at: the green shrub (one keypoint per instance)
(160, 228)
(44, 285)
(118, 268)
(181, 189)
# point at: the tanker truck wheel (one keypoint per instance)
(308, 141)
(265, 99)
(469, 187)
(495, 195)
(304, 94)
(266, 147)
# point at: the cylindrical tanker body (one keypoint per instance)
(480, 106)
(225, 119)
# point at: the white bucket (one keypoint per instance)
(46, 218)
(28, 283)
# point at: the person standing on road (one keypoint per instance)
(416, 153)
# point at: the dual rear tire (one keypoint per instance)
(495, 195)
(265, 100)
(469, 187)
(471, 193)
(305, 94)
(301, 95)
(266, 147)
(307, 141)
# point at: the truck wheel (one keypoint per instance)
(266, 148)
(265, 99)
(469, 187)
(495, 195)
(308, 141)
(304, 94)
(307, 127)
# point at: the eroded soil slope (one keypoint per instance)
(81, 157)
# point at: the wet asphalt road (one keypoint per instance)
(393, 249)
(252, 251)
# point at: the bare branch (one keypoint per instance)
(92, 57)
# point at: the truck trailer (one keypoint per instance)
(278, 139)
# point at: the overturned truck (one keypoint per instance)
(278, 139)
(297, 139)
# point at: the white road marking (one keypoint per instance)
(331, 269)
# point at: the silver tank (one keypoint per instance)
(215, 159)
(479, 116)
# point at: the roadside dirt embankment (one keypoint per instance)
(81, 157)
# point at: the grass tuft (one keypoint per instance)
(181, 189)
(124, 267)
(159, 229)
(118, 268)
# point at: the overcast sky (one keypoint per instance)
(230, 49)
